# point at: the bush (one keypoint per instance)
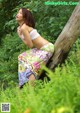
(11, 47)
(60, 95)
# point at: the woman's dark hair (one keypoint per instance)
(27, 15)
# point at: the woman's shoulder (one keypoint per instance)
(26, 27)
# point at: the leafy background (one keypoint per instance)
(63, 91)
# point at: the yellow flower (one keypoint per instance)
(28, 9)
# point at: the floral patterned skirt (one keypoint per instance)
(30, 61)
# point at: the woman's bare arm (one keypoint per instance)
(27, 39)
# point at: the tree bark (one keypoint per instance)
(65, 40)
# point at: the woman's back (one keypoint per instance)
(37, 39)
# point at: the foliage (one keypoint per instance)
(59, 95)
(11, 47)
(49, 19)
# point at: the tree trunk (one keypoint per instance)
(65, 40)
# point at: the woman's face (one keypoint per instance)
(19, 16)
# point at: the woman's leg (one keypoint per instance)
(32, 79)
(29, 62)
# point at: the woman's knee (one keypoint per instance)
(22, 55)
(19, 56)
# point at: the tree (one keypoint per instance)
(65, 40)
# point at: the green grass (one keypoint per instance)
(59, 95)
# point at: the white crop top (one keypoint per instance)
(33, 34)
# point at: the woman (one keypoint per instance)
(30, 61)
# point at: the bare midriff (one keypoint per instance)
(39, 42)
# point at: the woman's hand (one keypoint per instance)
(19, 31)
